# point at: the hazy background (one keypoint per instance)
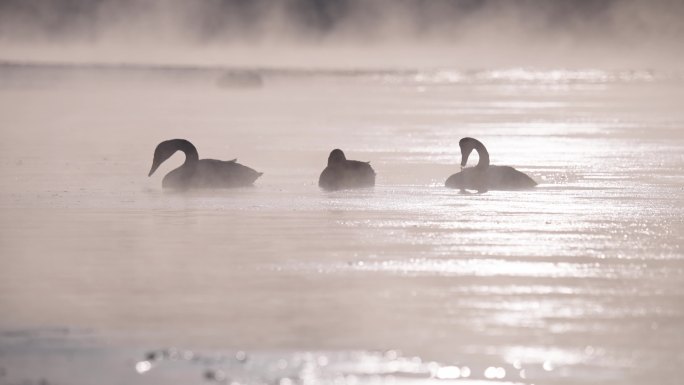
(463, 33)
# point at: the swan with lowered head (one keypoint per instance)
(484, 177)
(345, 174)
(200, 173)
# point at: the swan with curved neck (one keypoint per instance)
(200, 173)
(345, 174)
(483, 176)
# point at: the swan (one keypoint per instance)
(484, 177)
(345, 174)
(200, 173)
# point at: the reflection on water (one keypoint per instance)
(520, 77)
(66, 352)
(577, 281)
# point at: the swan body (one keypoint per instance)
(200, 173)
(484, 177)
(346, 174)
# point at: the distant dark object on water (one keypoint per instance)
(240, 79)
(204, 173)
(484, 177)
(346, 174)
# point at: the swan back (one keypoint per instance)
(211, 173)
(491, 178)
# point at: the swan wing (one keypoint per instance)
(508, 178)
(213, 173)
(346, 175)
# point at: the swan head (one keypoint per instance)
(336, 156)
(163, 152)
(467, 145)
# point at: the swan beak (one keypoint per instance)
(153, 169)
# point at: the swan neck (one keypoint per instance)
(483, 155)
(191, 155)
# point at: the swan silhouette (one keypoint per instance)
(200, 173)
(484, 177)
(345, 174)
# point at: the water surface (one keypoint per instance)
(579, 281)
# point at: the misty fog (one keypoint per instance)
(357, 33)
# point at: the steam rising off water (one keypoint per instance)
(577, 281)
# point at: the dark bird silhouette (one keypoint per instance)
(200, 173)
(484, 177)
(346, 174)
